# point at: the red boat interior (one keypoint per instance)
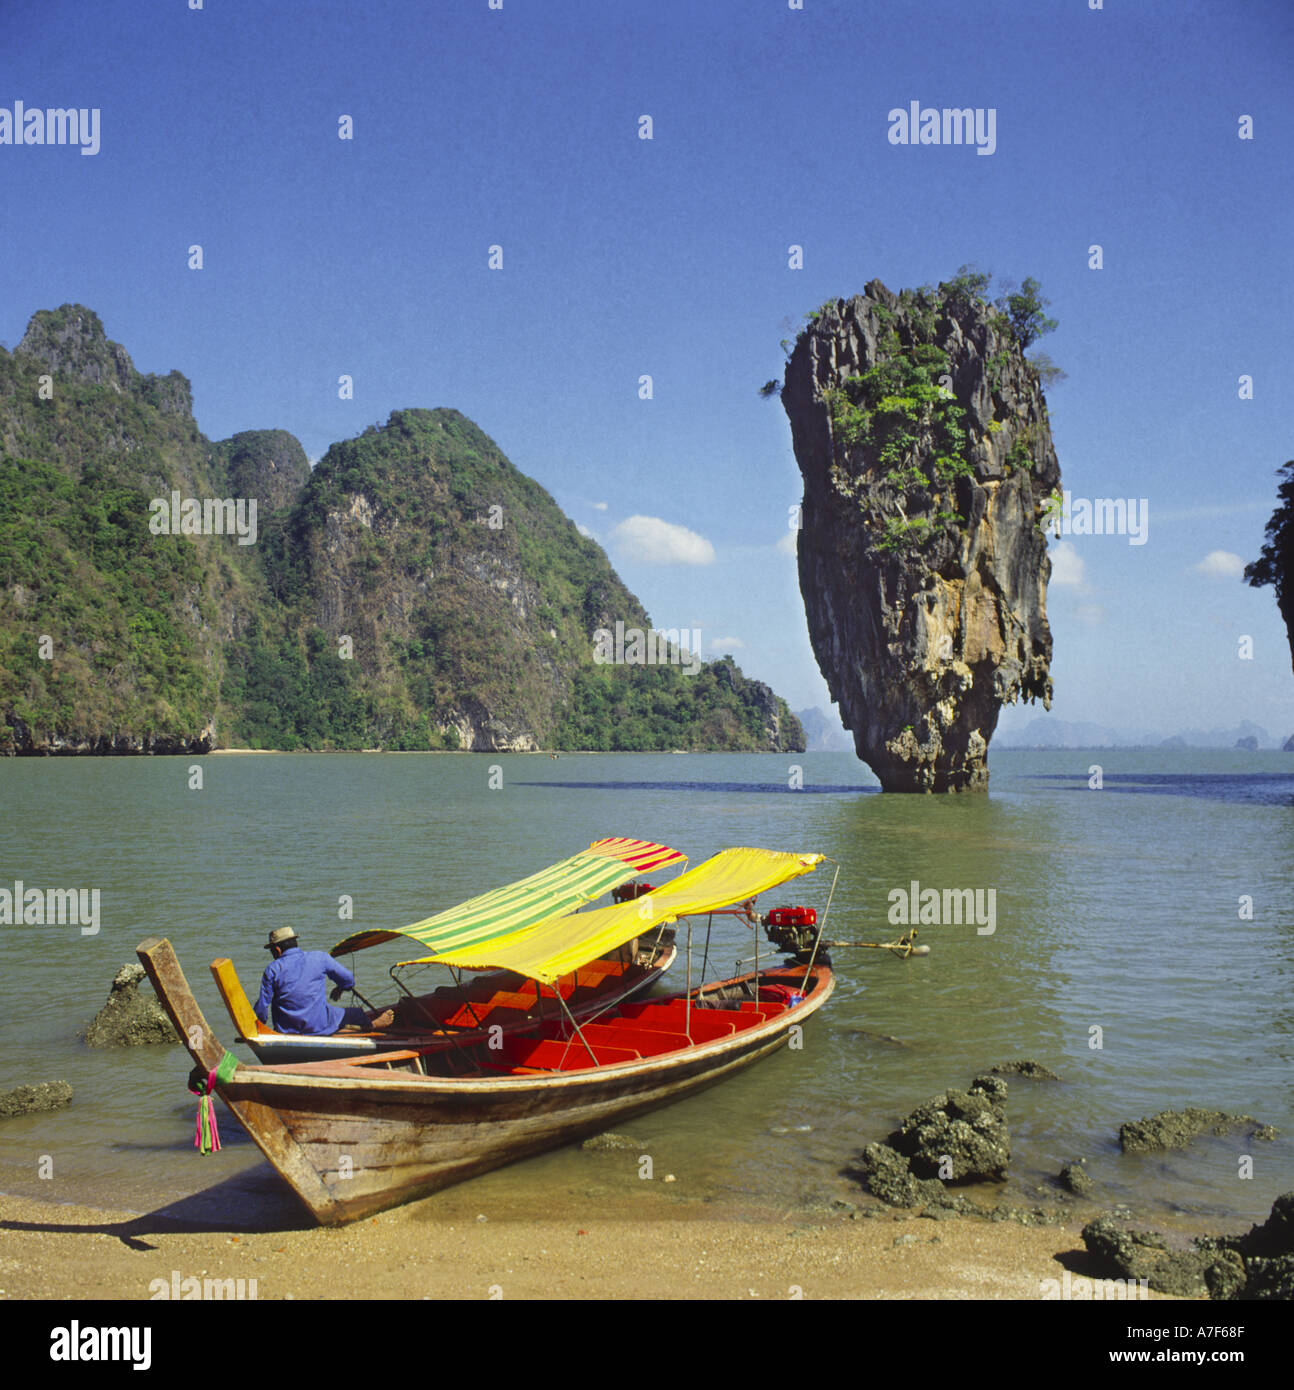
(632, 1033)
(629, 1032)
(472, 1006)
(507, 999)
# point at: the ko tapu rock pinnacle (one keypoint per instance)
(922, 434)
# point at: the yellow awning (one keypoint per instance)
(550, 893)
(547, 950)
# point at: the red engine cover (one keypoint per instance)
(793, 917)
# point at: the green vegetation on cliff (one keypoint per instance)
(900, 419)
(415, 591)
(1275, 562)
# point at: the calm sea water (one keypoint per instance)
(1118, 919)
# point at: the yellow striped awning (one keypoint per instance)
(547, 950)
(551, 893)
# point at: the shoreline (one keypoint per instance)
(459, 1246)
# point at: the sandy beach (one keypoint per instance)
(446, 1248)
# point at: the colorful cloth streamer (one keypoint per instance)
(206, 1136)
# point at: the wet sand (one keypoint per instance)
(442, 1249)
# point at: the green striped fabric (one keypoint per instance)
(553, 892)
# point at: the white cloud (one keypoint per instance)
(787, 544)
(651, 541)
(1221, 564)
(1090, 613)
(726, 644)
(1067, 568)
(584, 531)
(598, 506)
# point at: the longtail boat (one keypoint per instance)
(356, 1135)
(500, 999)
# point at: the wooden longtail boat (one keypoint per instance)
(356, 1135)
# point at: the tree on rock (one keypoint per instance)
(1024, 309)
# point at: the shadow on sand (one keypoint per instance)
(240, 1205)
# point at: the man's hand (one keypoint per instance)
(337, 992)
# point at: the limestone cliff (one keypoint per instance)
(1275, 562)
(269, 465)
(922, 435)
(414, 591)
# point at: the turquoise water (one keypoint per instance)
(1116, 910)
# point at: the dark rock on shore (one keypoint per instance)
(1174, 1129)
(959, 1136)
(127, 1019)
(1257, 1265)
(888, 1177)
(1028, 1069)
(1147, 1255)
(45, 1095)
(1267, 1256)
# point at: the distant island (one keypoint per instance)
(1045, 732)
(824, 733)
(161, 592)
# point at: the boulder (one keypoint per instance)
(888, 1177)
(1073, 1177)
(1256, 1266)
(959, 1136)
(1128, 1254)
(129, 1019)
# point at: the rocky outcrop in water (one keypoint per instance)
(1029, 1069)
(923, 438)
(956, 1137)
(1073, 1178)
(1174, 1129)
(45, 1095)
(959, 1136)
(129, 1019)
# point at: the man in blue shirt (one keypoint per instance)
(294, 985)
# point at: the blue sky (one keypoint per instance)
(624, 257)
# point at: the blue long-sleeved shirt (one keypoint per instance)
(295, 985)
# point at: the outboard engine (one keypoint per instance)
(794, 931)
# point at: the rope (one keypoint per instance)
(206, 1135)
